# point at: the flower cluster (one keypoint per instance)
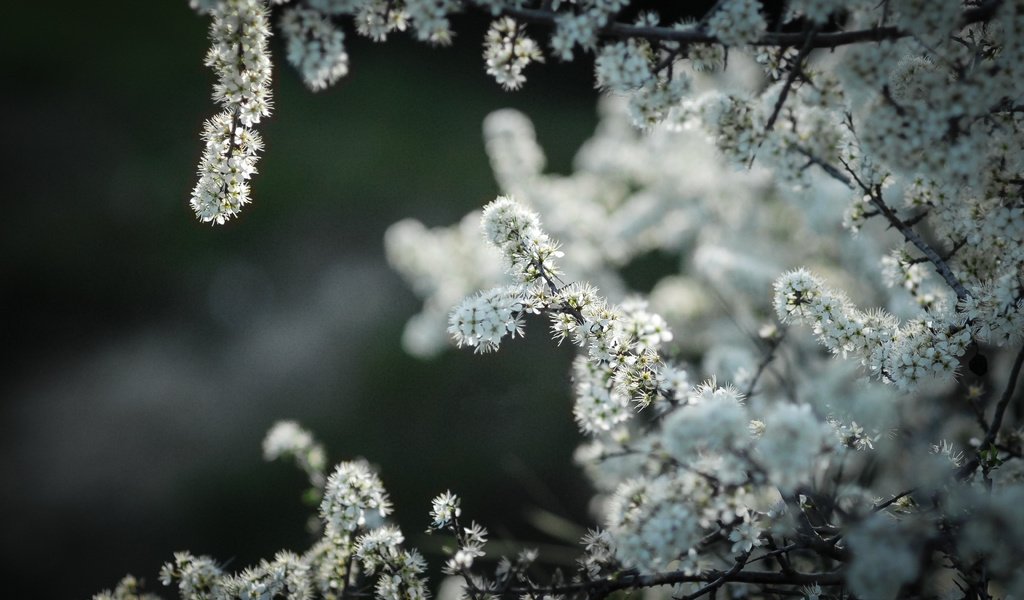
(790, 445)
(712, 420)
(580, 27)
(623, 66)
(881, 574)
(914, 123)
(444, 510)
(484, 319)
(817, 11)
(316, 47)
(905, 355)
(286, 576)
(654, 521)
(507, 51)
(380, 551)
(515, 231)
(737, 22)
(354, 498)
(357, 550)
(471, 546)
(287, 438)
(127, 589)
(600, 405)
(240, 58)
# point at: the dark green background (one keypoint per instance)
(148, 353)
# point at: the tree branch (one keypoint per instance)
(997, 419)
(909, 235)
(769, 356)
(795, 70)
(941, 266)
(714, 585)
(780, 39)
(603, 587)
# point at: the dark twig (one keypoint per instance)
(781, 39)
(794, 71)
(948, 256)
(912, 236)
(875, 199)
(914, 220)
(997, 418)
(891, 501)
(714, 585)
(602, 587)
(769, 356)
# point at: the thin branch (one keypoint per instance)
(941, 266)
(891, 501)
(714, 585)
(948, 256)
(778, 553)
(627, 581)
(1004, 401)
(916, 218)
(828, 167)
(796, 70)
(763, 365)
(781, 39)
(875, 199)
(997, 419)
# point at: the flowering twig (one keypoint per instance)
(602, 587)
(941, 266)
(997, 419)
(891, 501)
(875, 199)
(796, 70)
(780, 39)
(769, 356)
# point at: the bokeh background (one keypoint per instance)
(148, 353)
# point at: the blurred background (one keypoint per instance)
(149, 353)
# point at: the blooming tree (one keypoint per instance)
(819, 401)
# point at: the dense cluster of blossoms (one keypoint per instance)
(288, 439)
(905, 355)
(357, 550)
(316, 47)
(875, 132)
(507, 51)
(792, 470)
(239, 31)
(900, 87)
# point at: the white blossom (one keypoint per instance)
(239, 56)
(883, 157)
(315, 47)
(791, 444)
(876, 574)
(484, 319)
(737, 22)
(354, 498)
(507, 51)
(444, 509)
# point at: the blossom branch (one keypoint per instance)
(997, 418)
(769, 356)
(875, 199)
(603, 587)
(941, 266)
(714, 585)
(795, 71)
(891, 501)
(779, 39)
